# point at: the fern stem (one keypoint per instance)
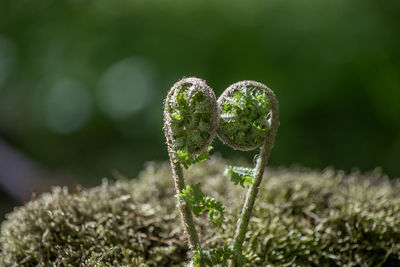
(186, 213)
(262, 160)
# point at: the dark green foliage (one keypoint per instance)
(244, 116)
(194, 198)
(301, 218)
(240, 175)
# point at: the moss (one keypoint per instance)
(302, 218)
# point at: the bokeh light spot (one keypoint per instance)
(67, 106)
(125, 88)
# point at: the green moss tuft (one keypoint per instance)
(302, 218)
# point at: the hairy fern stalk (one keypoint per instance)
(191, 121)
(249, 120)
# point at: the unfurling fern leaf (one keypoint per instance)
(187, 159)
(240, 175)
(195, 199)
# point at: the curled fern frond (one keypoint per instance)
(240, 175)
(191, 115)
(216, 211)
(245, 115)
(195, 199)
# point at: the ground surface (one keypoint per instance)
(302, 218)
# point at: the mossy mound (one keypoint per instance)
(302, 218)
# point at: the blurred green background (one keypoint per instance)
(82, 82)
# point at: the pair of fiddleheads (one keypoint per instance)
(245, 117)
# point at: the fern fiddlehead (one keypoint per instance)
(190, 124)
(249, 120)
